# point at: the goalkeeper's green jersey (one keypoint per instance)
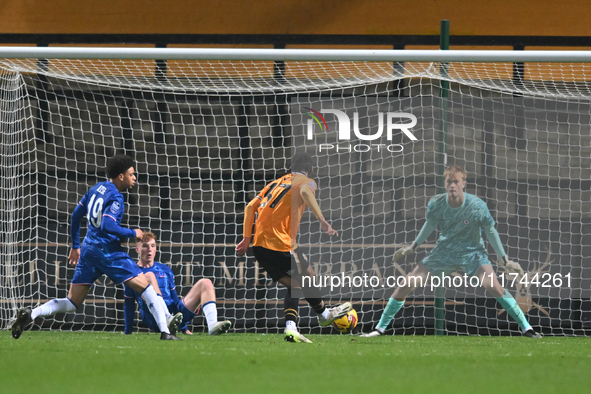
(459, 228)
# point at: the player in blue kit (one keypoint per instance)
(201, 295)
(459, 217)
(102, 252)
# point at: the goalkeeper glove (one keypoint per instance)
(512, 266)
(404, 251)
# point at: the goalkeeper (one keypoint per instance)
(459, 217)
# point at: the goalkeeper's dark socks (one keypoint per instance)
(510, 305)
(389, 312)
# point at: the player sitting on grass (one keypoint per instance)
(102, 252)
(279, 208)
(161, 277)
(459, 217)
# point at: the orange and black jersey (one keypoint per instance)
(280, 211)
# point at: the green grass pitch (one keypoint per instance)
(106, 362)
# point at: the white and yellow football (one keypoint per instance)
(346, 324)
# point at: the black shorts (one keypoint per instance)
(279, 264)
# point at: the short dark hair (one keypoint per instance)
(302, 162)
(118, 165)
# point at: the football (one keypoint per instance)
(347, 323)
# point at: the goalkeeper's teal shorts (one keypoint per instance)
(442, 262)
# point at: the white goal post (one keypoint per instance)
(209, 127)
(322, 55)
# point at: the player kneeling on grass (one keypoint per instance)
(162, 279)
(279, 208)
(459, 217)
(102, 252)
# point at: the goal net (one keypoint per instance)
(207, 135)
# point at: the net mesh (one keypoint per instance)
(208, 135)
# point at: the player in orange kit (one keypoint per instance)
(279, 208)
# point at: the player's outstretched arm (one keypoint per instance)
(493, 238)
(405, 251)
(426, 230)
(75, 222)
(327, 228)
(310, 200)
(513, 266)
(249, 212)
(242, 247)
(74, 256)
(110, 226)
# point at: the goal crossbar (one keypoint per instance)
(267, 54)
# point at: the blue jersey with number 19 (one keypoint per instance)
(102, 202)
(459, 228)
